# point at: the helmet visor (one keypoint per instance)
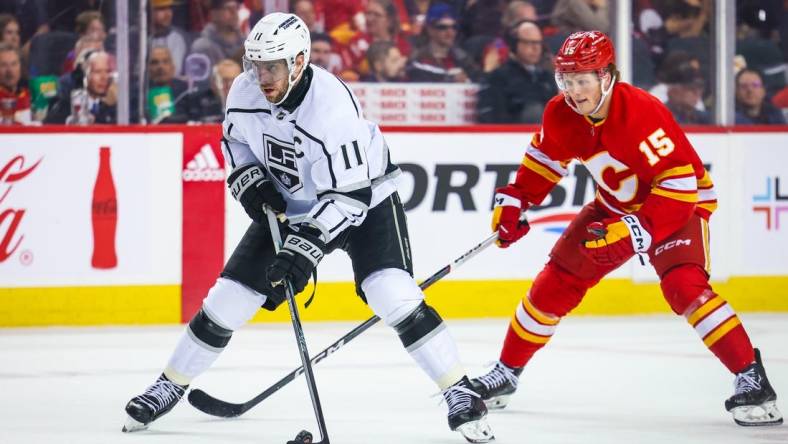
(577, 81)
(267, 72)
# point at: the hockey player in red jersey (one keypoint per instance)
(654, 199)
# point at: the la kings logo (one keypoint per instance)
(281, 158)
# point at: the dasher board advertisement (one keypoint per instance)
(761, 172)
(447, 188)
(90, 209)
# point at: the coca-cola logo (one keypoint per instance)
(13, 172)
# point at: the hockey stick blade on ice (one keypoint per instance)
(208, 404)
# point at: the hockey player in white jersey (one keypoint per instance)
(297, 141)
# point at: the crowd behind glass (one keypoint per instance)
(57, 62)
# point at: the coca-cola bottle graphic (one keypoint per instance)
(104, 215)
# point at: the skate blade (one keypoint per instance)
(497, 402)
(132, 425)
(766, 414)
(476, 431)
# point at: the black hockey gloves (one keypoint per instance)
(250, 186)
(297, 259)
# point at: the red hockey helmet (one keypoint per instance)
(585, 51)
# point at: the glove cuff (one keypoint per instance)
(509, 195)
(638, 234)
(243, 178)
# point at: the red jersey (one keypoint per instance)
(638, 156)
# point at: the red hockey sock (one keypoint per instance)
(721, 331)
(516, 351)
(734, 349)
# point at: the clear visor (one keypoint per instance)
(567, 82)
(267, 72)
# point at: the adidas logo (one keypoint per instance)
(204, 167)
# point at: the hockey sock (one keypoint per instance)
(721, 331)
(428, 341)
(529, 331)
(200, 345)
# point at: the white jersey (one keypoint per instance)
(330, 163)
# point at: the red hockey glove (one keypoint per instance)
(616, 240)
(506, 216)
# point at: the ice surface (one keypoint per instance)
(601, 380)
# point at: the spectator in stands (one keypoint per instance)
(342, 18)
(685, 89)
(382, 22)
(439, 59)
(94, 101)
(581, 15)
(14, 96)
(170, 99)
(222, 77)
(480, 18)
(518, 90)
(686, 25)
(221, 38)
(89, 24)
(417, 13)
(670, 72)
(323, 55)
(517, 11)
(305, 10)
(73, 74)
(163, 33)
(30, 15)
(386, 63)
(9, 30)
(752, 108)
(208, 105)
(687, 18)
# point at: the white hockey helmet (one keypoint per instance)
(275, 37)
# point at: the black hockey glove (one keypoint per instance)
(251, 186)
(297, 259)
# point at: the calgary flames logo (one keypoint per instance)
(10, 218)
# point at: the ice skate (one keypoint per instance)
(754, 402)
(157, 400)
(467, 413)
(497, 386)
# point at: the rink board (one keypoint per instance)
(174, 230)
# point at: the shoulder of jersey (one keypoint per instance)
(329, 101)
(244, 93)
(640, 103)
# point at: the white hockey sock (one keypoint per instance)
(394, 296)
(190, 358)
(437, 355)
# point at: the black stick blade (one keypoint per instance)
(215, 407)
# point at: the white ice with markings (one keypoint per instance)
(601, 380)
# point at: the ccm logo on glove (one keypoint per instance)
(641, 240)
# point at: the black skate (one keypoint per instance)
(467, 413)
(754, 402)
(157, 400)
(497, 386)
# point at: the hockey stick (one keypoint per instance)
(216, 407)
(299, 334)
